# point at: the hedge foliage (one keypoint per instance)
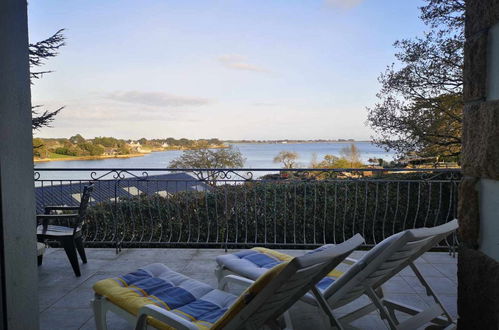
(276, 213)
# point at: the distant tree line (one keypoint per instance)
(292, 141)
(180, 143)
(78, 146)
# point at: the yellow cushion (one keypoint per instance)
(131, 298)
(127, 299)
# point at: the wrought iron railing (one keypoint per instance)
(288, 208)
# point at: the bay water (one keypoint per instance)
(257, 155)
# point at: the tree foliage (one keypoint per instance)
(287, 158)
(420, 101)
(78, 146)
(39, 52)
(331, 161)
(206, 158)
(352, 155)
(39, 148)
(77, 139)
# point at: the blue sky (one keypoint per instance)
(232, 69)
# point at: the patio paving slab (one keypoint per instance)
(64, 299)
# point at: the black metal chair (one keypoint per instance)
(70, 235)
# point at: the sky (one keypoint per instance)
(231, 69)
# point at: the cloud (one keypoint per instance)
(121, 110)
(264, 104)
(156, 99)
(239, 62)
(345, 4)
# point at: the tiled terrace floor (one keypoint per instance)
(65, 299)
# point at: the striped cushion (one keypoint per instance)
(159, 285)
(255, 262)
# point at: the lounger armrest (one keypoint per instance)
(234, 279)
(164, 316)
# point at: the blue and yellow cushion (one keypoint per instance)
(195, 301)
(255, 262)
(159, 285)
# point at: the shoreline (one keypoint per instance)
(295, 142)
(63, 159)
(147, 152)
(42, 160)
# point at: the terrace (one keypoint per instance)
(65, 300)
(478, 189)
(142, 216)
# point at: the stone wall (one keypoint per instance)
(478, 290)
(478, 273)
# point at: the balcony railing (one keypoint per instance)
(288, 208)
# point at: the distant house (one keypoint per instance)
(109, 152)
(164, 185)
(135, 146)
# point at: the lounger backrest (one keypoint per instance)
(384, 261)
(296, 278)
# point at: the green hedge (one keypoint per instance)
(275, 213)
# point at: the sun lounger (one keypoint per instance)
(159, 297)
(364, 278)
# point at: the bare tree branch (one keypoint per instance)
(38, 53)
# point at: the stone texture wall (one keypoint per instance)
(480, 157)
(478, 292)
(478, 275)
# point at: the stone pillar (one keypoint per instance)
(478, 212)
(18, 270)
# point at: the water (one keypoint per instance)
(257, 156)
(262, 155)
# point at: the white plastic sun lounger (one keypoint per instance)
(155, 296)
(366, 277)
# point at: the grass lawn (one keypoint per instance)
(53, 155)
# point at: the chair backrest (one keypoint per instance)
(288, 285)
(85, 198)
(384, 261)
